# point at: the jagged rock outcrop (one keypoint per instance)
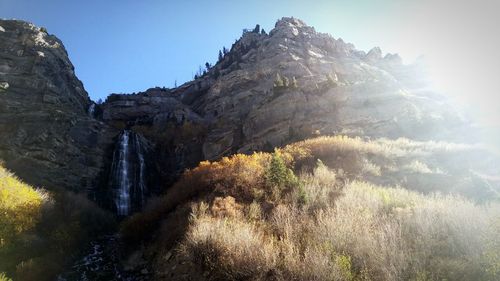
(46, 135)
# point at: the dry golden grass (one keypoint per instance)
(370, 232)
(226, 247)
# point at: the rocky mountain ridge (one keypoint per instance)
(268, 90)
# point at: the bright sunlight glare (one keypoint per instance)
(459, 41)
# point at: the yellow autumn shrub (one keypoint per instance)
(20, 206)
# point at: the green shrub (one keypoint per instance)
(278, 174)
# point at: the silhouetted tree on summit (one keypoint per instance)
(207, 66)
(224, 51)
(263, 32)
(220, 55)
(256, 29)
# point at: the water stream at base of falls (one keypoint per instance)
(102, 263)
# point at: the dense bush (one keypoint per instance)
(40, 232)
(20, 211)
(20, 207)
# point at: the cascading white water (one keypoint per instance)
(128, 178)
(122, 198)
(142, 169)
(91, 110)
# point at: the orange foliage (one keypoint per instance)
(237, 176)
(226, 207)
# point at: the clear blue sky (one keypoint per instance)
(129, 46)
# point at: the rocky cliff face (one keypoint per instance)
(46, 135)
(268, 90)
(271, 89)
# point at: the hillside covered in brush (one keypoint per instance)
(328, 208)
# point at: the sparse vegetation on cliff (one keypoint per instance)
(283, 82)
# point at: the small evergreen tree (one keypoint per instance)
(256, 29)
(263, 32)
(278, 174)
(224, 51)
(207, 66)
(220, 55)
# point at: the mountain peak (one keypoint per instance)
(374, 54)
(290, 27)
(290, 21)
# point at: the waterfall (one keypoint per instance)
(128, 179)
(142, 169)
(91, 110)
(121, 175)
